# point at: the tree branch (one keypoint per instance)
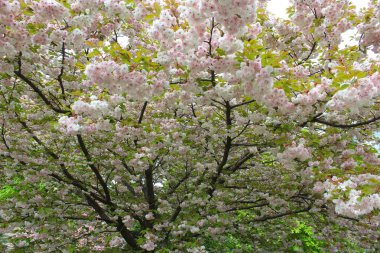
(150, 188)
(271, 217)
(59, 78)
(93, 168)
(40, 93)
(142, 112)
(363, 123)
(243, 103)
(209, 42)
(226, 152)
(309, 55)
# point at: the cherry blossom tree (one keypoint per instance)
(159, 125)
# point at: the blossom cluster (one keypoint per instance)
(95, 108)
(157, 125)
(362, 94)
(357, 202)
(371, 29)
(295, 151)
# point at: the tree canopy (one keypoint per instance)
(188, 126)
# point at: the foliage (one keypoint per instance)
(188, 126)
(305, 235)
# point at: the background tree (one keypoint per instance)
(169, 125)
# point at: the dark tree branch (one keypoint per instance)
(348, 218)
(93, 168)
(363, 123)
(150, 188)
(128, 168)
(241, 161)
(59, 78)
(247, 207)
(279, 215)
(36, 89)
(3, 137)
(127, 235)
(316, 72)
(209, 42)
(149, 181)
(47, 150)
(172, 218)
(142, 112)
(309, 55)
(80, 218)
(175, 214)
(243, 130)
(193, 111)
(243, 103)
(98, 209)
(73, 180)
(178, 184)
(218, 102)
(226, 152)
(130, 188)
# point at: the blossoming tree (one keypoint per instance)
(154, 125)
